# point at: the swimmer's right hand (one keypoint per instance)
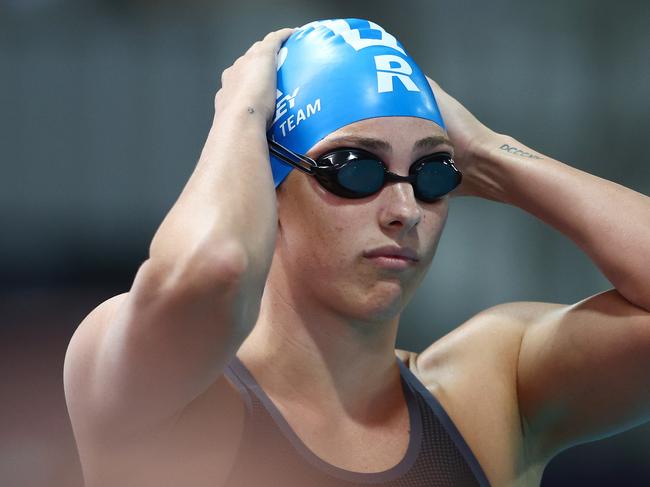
(250, 83)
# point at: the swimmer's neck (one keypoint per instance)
(324, 363)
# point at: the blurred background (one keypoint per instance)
(104, 108)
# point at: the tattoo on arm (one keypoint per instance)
(519, 152)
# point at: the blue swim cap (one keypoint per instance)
(332, 73)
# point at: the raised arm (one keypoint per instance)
(139, 358)
(583, 370)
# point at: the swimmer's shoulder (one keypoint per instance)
(472, 372)
(491, 336)
(196, 444)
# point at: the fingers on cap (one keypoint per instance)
(279, 36)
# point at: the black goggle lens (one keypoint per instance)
(436, 179)
(365, 176)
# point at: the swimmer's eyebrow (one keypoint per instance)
(371, 143)
(432, 142)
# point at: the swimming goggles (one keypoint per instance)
(356, 173)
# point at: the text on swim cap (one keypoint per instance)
(353, 36)
(389, 66)
(294, 119)
(281, 102)
(301, 115)
(386, 72)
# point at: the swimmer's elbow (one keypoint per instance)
(222, 265)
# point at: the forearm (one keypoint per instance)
(609, 222)
(229, 197)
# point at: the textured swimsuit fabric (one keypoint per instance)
(271, 454)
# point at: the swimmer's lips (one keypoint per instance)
(394, 253)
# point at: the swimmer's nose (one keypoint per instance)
(401, 208)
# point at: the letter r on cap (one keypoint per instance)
(390, 66)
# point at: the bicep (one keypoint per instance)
(584, 372)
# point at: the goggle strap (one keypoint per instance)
(303, 163)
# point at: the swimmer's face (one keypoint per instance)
(322, 237)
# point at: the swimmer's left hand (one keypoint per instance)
(470, 139)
